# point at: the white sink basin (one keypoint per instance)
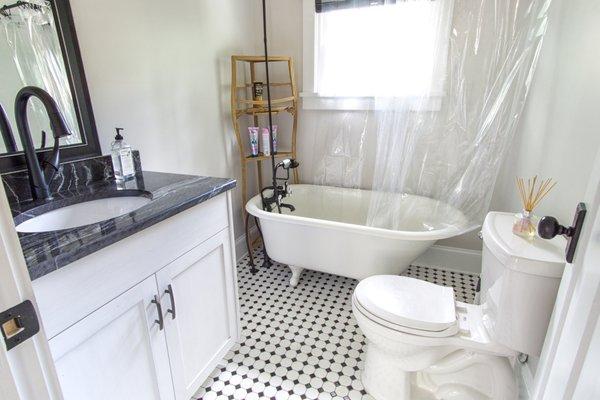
(81, 214)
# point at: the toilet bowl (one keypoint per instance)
(422, 344)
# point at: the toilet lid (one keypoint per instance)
(408, 302)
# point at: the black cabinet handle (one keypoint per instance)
(160, 321)
(171, 310)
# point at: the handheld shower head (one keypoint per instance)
(288, 163)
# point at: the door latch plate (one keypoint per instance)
(18, 324)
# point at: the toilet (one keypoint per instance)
(422, 344)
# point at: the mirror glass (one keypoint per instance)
(31, 55)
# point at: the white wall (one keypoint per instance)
(557, 125)
(162, 70)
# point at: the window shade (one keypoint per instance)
(332, 5)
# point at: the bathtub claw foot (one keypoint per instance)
(296, 272)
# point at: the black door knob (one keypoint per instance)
(549, 227)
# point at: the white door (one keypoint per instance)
(117, 352)
(571, 356)
(198, 295)
(26, 371)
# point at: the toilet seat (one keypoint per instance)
(408, 305)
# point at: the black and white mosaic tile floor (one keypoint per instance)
(302, 342)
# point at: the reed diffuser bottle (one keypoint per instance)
(531, 193)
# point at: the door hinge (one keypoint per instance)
(18, 324)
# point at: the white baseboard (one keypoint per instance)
(451, 258)
(240, 243)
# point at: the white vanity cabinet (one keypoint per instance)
(199, 292)
(164, 334)
(117, 352)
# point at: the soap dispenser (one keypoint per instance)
(122, 158)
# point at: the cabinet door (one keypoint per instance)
(117, 352)
(205, 325)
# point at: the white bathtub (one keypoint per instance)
(327, 232)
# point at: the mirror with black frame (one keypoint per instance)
(38, 47)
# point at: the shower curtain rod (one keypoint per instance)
(4, 10)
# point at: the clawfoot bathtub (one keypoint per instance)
(328, 231)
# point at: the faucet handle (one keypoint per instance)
(41, 156)
(50, 161)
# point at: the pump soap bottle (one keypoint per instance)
(122, 158)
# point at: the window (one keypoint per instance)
(395, 50)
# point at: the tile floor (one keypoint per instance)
(302, 342)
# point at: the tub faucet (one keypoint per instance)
(41, 171)
(279, 192)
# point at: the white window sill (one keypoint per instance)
(312, 101)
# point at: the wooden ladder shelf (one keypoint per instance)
(243, 103)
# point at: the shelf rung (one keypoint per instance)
(263, 110)
(262, 157)
(249, 85)
(261, 58)
(265, 102)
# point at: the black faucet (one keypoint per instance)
(40, 172)
(7, 133)
(279, 192)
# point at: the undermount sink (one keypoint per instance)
(81, 214)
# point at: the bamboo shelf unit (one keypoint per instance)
(243, 103)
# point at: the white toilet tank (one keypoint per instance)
(519, 283)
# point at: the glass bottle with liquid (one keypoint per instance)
(122, 158)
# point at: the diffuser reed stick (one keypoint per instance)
(531, 192)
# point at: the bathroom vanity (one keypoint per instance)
(135, 281)
(143, 305)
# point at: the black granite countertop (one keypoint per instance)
(170, 194)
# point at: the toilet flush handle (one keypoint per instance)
(549, 227)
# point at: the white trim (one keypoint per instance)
(576, 312)
(240, 243)
(308, 46)
(451, 258)
(313, 101)
(30, 365)
(8, 386)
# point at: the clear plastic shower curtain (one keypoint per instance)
(444, 101)
(32, 36)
